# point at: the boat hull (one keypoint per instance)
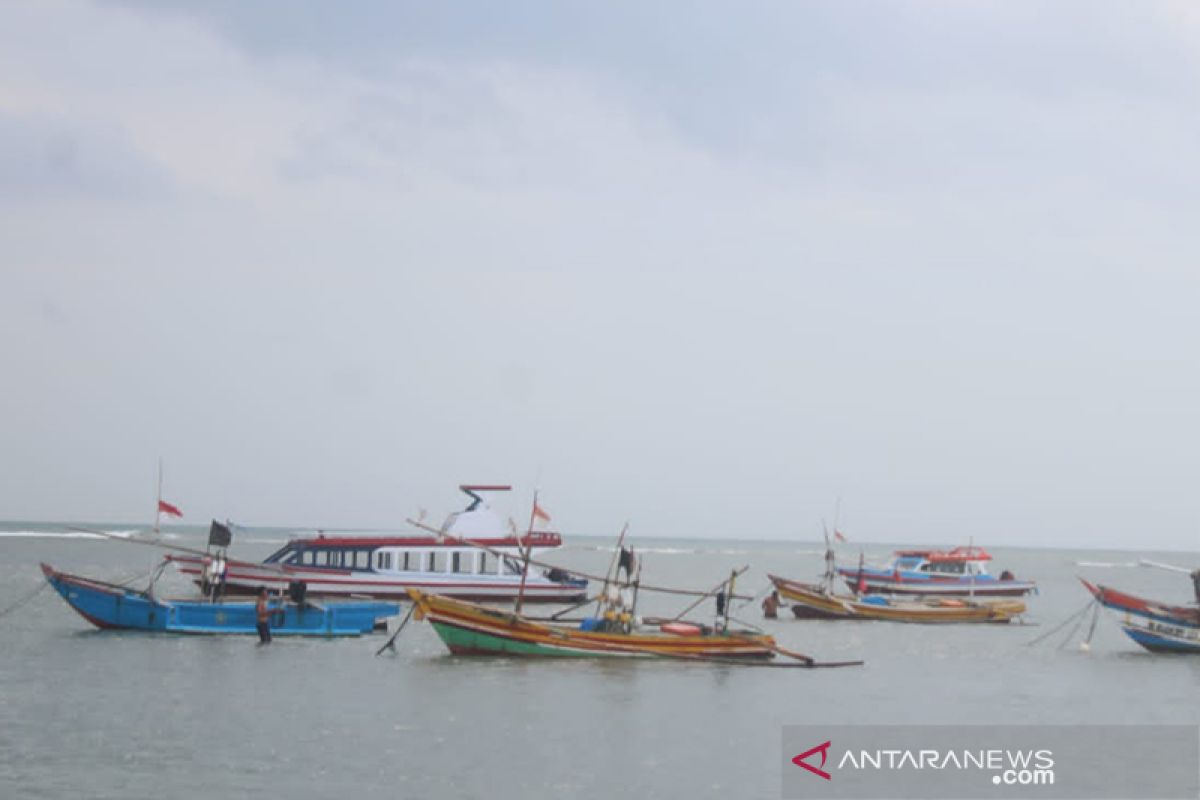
(470, 629)
(244, 578)
(813, 602)
(1158, 627)
(112, 607)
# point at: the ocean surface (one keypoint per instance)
(96, 714)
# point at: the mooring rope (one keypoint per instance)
(1075, 617)
(25, 599)
(391, 643)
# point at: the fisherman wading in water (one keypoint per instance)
(262, 613)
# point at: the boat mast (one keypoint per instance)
(525, 551)
(158, 501)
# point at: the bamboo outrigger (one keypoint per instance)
(471, 629)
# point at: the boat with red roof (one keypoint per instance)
(960, 571)
(451, 564)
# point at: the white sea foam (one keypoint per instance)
(79, 534)
(48, 535)
(1106, 564)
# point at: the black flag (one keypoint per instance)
(627, 562)
(219, 535)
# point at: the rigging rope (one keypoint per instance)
(25, 599)
(1062, 624)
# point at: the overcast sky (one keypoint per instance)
(705, 266)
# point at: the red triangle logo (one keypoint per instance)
(823, 749)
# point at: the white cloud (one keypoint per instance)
(360, 287)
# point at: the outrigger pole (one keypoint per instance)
(468, 543)
(176, 547)
(711, 592)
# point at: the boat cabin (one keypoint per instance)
(959, 562)
(419, 554)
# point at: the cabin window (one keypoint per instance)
(383, 560)
(437, 562)
(327, 559)
(456, 562)
(483, 565)
(512, 566)
(309, 557)
(406, 567)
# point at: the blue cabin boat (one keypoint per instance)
(958, 572)
(109, 606)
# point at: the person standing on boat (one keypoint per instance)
(218, 580)
(1196, 584)
(206, 578)
(262, 614)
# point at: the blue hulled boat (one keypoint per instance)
(109, 606)
(1158, 627)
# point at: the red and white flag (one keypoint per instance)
(540, 513)
(839, 535)
(166, 508)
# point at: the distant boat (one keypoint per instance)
(447, 562)
(958, 572)
(1158, 627)
(110, 606)
(812, 601)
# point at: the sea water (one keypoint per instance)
(85, 713)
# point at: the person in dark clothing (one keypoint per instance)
(770, 606)
(1196, 583)
(262, 613)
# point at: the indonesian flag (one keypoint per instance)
(540, 513)
(839, 535)
(166, 508)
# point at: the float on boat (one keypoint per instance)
(957, 572)
(1158, 627)
(111, 606)
(814, 601)
(473, 556)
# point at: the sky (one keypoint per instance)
(718, 270)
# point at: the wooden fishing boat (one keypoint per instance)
(813, 601)
(110, 606)
(1158, 627)
(473, 556)
(470, 629)
(959, 572)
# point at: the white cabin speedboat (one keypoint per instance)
(388, 566)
